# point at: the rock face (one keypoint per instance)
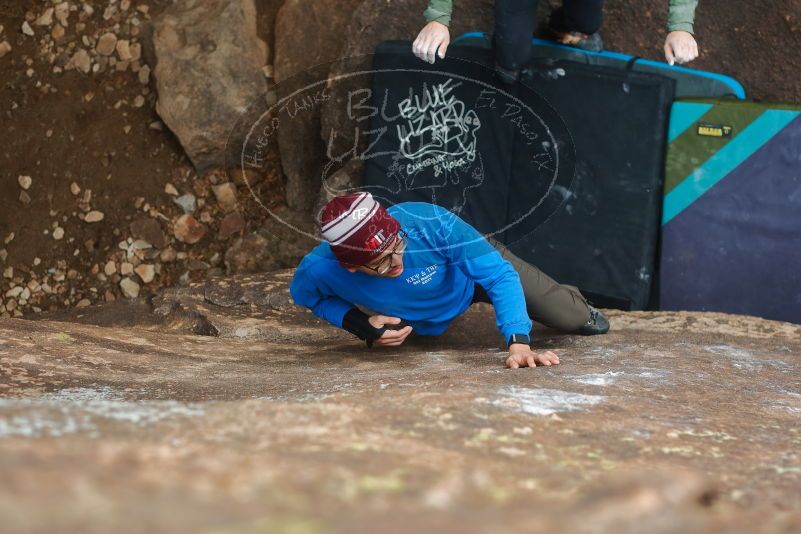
(280, 243)
(273, 421)
(208, 71)
(308, 33)
(345, 180)
(319, 131)
(373, 23)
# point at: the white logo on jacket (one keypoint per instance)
(423, 277)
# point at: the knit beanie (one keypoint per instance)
(357, 228)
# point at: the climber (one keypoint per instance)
(417, 266)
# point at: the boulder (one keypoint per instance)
(281, 243)
(309, 35)
(309, 32)
(116, 416)
(265, 25)
(346, 180)
(208, 70)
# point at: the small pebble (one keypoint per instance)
(94, 216)
(129, 288)
(146, 272)
(106, 44)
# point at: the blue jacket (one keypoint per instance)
(444, 259)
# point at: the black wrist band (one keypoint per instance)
(357, 323)
(519, 338)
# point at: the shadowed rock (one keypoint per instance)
(280, 243)
(309, 34)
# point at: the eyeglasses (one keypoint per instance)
(386, 262)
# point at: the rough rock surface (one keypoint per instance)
(345, 180)
(280, 243)
(309, 34)
(672, 423)
(208, 70)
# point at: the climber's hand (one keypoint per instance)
(680, 47)
(432, 41)
(521, 355)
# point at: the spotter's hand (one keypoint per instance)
(680, 47)
(433, 40)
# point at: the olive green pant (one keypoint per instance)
(548, 302)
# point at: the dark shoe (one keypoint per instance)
(596, 324)
(590, 43)
(507, 76)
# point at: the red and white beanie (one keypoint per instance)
(357, 228)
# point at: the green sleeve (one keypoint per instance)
(439, 10)
(681, 15)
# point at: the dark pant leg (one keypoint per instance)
(514, 27)
(548, 302)
(583, 16)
